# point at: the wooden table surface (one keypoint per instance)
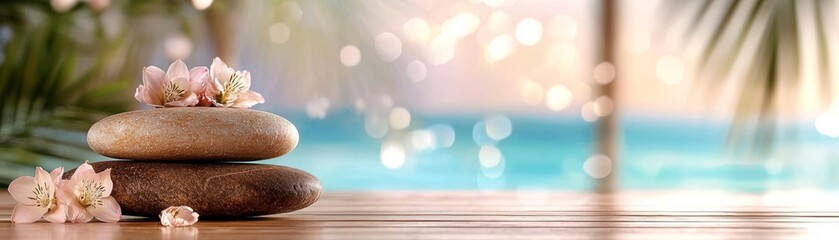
(499, 215)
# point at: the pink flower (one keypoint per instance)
(174, 88)
(199, 82)
(88, 195)
(230, 88)
(178, 216)
(37, 197)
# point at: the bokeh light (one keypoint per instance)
(532, 92)
(416, 71)
(444, 135)
(604, 73)
(317, 108)
(399, 118)
(498, 127)
(603, 106)
(350, 55)
(416, 30)
(598, 166)
(529, 31)
(587, 112)
(558, 97)
(441, 49)
(198, 4)
(827, 123)
(423, 139)
(563, 28)
(489, 156)
(375, 125)
(279, 33)
(178, 46)
(499, 48)
(392, 155)
(461, 25)
(389, 46)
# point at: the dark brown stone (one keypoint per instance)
(211, 189)
(193, 134)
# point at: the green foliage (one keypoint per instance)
(771, 29)
(59, 74)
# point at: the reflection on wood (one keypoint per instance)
(500, 215)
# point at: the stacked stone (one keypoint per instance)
(185, 157)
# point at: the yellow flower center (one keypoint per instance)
(43, 198)
(172, 92)
(89, 193)
(233, 86)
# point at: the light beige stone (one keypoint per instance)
(193, 133)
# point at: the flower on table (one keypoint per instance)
(231, 88)
(173, 88)
(37, 198)
(88, 195)
(178, 216)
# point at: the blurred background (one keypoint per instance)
(577, 95)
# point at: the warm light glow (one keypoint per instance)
(529, 31)
(399, 118)
(416, 71)
(598, 166)
(581, 91)
(279, 33)
(350, 56)
(639, 42)
(389, 46)
(392, 155)
(603, 106)
(202, 4)
(489, 156)
(416, 30)
(587, 112)
(498, 127)
(532, 92)
(563, 27)
(495, 3)
(558, 97)
(501, 47)
(604, 73)
(178, 46)
(670, 70)
(441, 49)
(500, 22)
(462, 25)
(827, 123)
(423, 139)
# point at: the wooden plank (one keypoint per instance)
(499, 215)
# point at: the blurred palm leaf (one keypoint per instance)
(59, 74)
(762, 39)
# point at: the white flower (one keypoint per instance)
(36, 197)
(178, 216)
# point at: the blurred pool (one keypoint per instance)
(549, 153)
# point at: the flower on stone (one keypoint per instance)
(88, 195)
(36, 197)
(178, 216)
(231, 88)
(173, 88)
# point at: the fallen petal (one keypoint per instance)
(178, 216)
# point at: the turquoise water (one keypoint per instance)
(549, 153)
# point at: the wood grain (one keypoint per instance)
(498, 215)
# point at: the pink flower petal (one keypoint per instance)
(248, 99)
(246, 79)
(57, 215)
(190, 100)
(83, 172)
(220, 73)
(22, 190)
(142, 95)
(178, 70)
(56, 174)
(44, 178)
(27, 214)
(154, 79)
(105, 179)
(77, 214)
(109, 211)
